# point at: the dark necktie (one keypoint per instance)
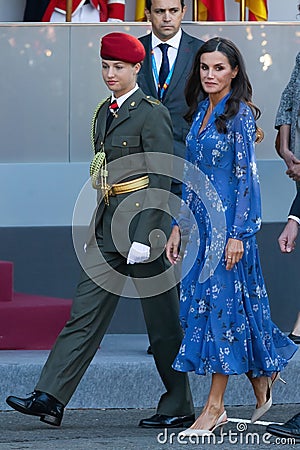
(164, 68)
(111, 113)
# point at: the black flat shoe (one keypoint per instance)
(290, 429)
(294, 338)
(39, 404)
(163, 421)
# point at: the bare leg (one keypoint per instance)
(260, 387)
(214, 406)
(296, 329)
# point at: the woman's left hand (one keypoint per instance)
(173, 245)
(234, 251)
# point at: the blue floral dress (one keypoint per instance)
(225, 314)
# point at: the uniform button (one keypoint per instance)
(124, 143)
(158, 235)
(132, 104)
(137, 204)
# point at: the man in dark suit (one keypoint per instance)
(132, 166)
(287, 242)
(166, 17)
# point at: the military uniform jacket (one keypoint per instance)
(133, 143)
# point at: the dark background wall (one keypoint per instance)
(45, 264)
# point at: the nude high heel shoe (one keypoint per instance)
(222, 420)
(259, 412)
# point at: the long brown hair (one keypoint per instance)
(241, 89)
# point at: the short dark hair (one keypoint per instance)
(149, 4)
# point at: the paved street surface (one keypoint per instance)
(117, 430)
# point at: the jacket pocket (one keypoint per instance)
(126, 142)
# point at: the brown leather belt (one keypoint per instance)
(129, 186)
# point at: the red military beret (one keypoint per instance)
(122, 47)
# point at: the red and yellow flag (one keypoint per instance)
(140, 10)
(258, 10)
(211, 10)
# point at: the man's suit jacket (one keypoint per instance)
(295, 208)
(174, 98)
(132, 145)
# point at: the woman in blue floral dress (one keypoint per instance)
(224, 308)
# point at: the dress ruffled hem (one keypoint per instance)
(259, 366)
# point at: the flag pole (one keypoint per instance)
(242, 10)
(69, 10)
(195, 10)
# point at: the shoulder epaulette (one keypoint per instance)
(152, 100)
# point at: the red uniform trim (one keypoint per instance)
(103, 10)
(114, 10)
(48, 13)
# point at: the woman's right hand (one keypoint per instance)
(173, 245)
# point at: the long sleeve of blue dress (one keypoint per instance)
(247, 215)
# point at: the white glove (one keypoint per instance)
(138, 253)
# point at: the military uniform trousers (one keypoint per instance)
(91, 313)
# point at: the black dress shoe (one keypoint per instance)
(290, 429)
(162, 421)
(39, 404)
(294, 338)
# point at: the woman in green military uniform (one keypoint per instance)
(132, 171)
